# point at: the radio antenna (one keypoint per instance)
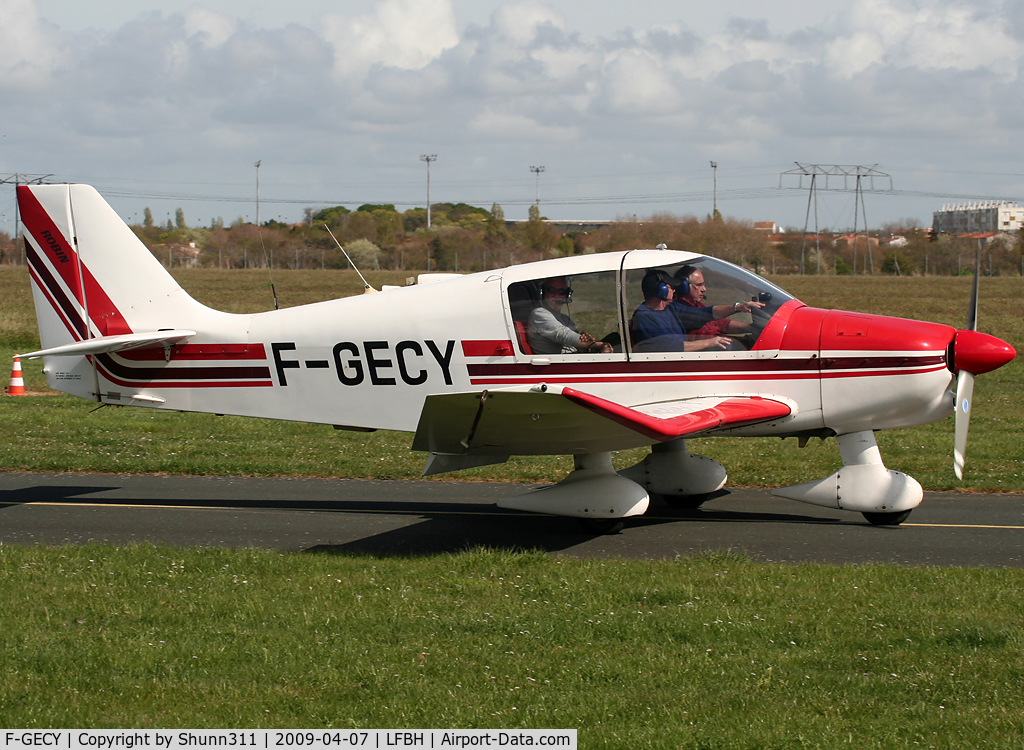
(367, 289)
(270, 268)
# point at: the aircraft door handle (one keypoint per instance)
(540, 361)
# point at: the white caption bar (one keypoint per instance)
(286, 739)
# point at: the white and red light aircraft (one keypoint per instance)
(449, 362)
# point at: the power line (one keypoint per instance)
(736, 194)
(21, 179)
(858, 173)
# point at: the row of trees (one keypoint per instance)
(466, 238)
(913, 253)
(460, 238)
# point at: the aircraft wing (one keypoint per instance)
(674, 419)
(106, 344)
(567, 420)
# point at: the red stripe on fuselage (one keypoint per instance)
(198, 377)
(644, 367)
(496, 348)
(197, 352)
(710, 370)
(178, 374)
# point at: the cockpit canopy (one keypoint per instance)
(603, 301)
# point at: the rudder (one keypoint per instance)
(91, 277)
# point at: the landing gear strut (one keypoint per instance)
(593, 492)
(685, 480)
(884, 496)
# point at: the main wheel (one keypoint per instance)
(887, 519)
(686, 502)
(602, 525)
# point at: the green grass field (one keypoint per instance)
(706, 652)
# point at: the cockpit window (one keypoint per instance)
(698, 306)
(567, 314)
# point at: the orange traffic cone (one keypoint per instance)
(17, 386)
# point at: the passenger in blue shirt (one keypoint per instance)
(660, 326)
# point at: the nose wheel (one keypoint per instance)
(686, 502)
(887, 519)
(600, 526)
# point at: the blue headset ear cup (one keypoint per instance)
(684, 288)
(662, 291)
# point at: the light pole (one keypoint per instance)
(257, 191)
(714, 175)
(537, 171)
(428, 158)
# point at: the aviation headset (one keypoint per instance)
(683, 277)
(659, 282)
(542, 286)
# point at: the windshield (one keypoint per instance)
(699, 283)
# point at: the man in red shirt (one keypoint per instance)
(694, 297)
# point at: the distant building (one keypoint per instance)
(856, 240)
(985, 216)
(567, 225)
(993, 238)
(895, 240)
(183, 256)
(769, 227)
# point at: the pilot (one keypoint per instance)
(658, 325)
(549, 331)
(690, 295)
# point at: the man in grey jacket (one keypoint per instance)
(548, 331)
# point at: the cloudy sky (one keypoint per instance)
(171, 103)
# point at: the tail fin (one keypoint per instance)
(92, 278)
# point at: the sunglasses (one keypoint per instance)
(558, 291)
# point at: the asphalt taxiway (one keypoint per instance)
(422, 517)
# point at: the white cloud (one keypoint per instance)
(885, 79)
(855, 53)
(229, 139)
(520, 21)
(406, 34)
(30, 48)
(517, 127)
(935, 35)
(210, 27)
(567, 64)
(638, 84)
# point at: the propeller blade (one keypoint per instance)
(965, 379)
(964, 396)
(972, 311)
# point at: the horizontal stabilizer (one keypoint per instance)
(107, 344)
